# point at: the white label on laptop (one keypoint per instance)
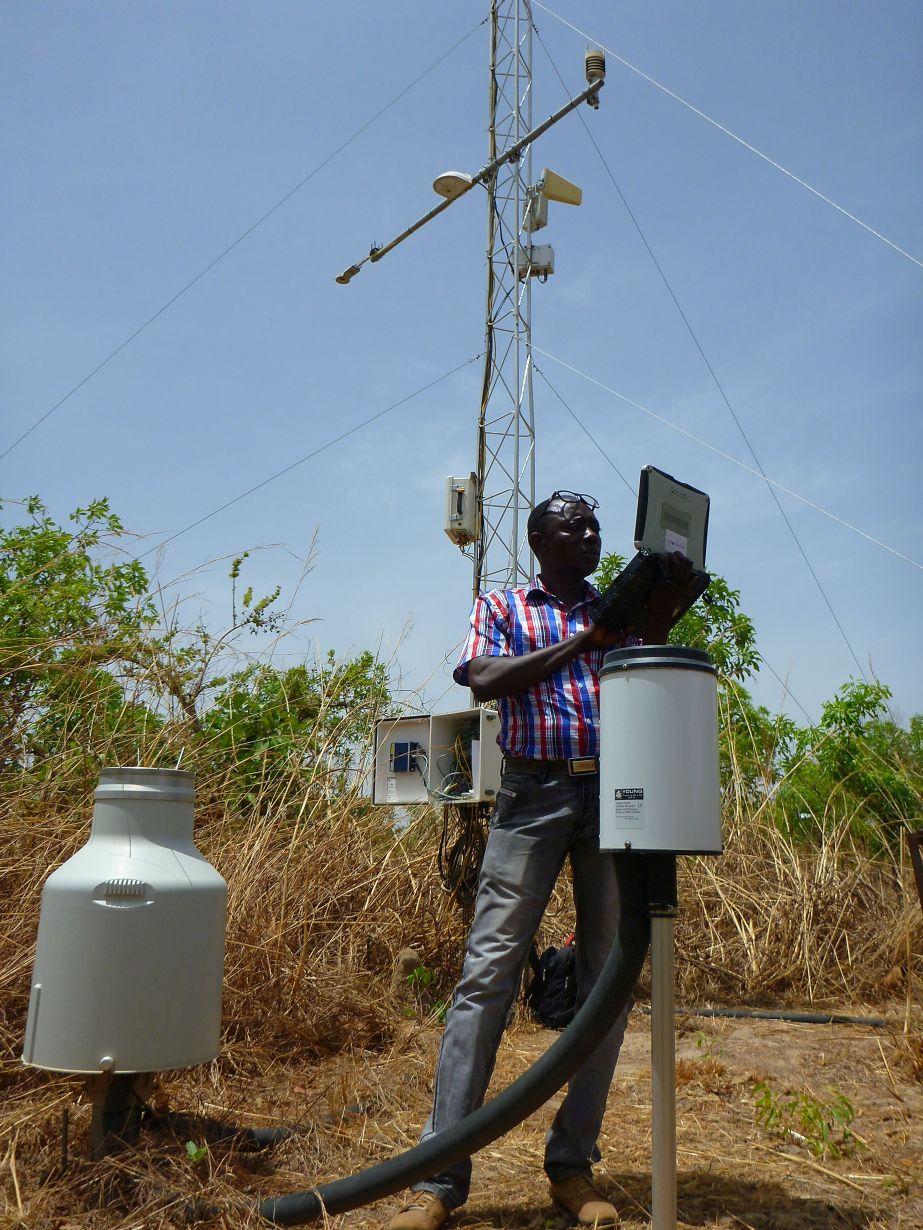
(674, 542)
(629, 807)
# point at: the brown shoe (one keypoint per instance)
(578, 1196)
(425, 1211)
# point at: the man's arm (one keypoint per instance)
(491, 677)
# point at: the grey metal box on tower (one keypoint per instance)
(659, 788)
(130, 956)
(461, 509)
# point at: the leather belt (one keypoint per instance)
(576, 766)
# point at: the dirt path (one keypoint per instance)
(732, 1171)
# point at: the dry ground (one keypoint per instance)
(354, 1109)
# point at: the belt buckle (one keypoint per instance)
(577, 766)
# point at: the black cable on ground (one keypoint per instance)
(773, 1014)
(597, 1016)
(214, 1132)
(915, 844)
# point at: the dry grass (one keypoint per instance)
(323, 894)
(774, 921)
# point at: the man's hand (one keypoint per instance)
(598, 637)
(662, 602)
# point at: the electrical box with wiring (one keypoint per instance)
(439, 757)
(535, 261)
(461, 517)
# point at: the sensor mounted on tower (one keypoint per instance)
(595, 64)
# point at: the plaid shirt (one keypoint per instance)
(559, 717)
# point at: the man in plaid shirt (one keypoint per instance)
(534, 649)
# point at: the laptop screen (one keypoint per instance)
(672, 516)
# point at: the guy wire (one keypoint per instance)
(733, 135)
(234, 243)
(718, 384)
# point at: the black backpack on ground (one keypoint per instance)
(552, 991)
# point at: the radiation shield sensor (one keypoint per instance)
(671, 516)
(118, 984)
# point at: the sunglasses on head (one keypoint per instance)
(557, 503)
(574, 497)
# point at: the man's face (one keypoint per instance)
(568, 539)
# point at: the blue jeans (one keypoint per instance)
(538, 822)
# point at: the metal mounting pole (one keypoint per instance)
(663, 1048)
(663, 1076)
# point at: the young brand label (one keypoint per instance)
(629, 807)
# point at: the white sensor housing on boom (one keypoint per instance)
(595, 64)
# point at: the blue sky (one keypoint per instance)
(144, 139)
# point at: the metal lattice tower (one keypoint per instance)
(506, 425)
(505, 474)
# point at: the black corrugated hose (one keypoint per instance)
(641, 879)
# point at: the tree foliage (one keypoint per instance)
(66, 614)
(855, 764)
(94, 670)
(714, 623)
(263, 722)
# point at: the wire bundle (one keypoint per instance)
(461, 848)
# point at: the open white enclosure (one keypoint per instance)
(443, 757)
